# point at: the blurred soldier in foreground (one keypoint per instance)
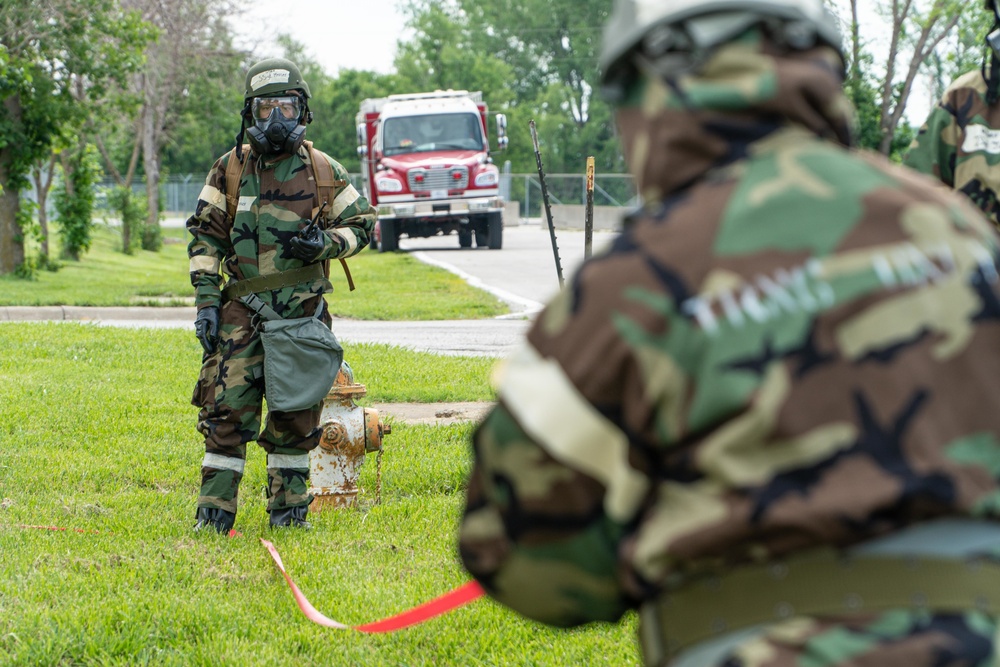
(959, 143)
(766, 417)
(253, 222)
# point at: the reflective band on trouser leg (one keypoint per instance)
(300, 461)
(220, 481)
(287, 481)
(225, 463)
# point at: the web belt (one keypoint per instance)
(820, 583)
(273, 281)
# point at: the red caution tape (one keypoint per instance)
(462, 595)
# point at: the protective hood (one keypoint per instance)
(673, 131)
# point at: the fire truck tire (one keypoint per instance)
(465, 238)
(388, 237)
(495, 231)
(482, 238)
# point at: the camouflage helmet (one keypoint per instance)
(274, 76)
(692, 28)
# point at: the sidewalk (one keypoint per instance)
(488, 338)
(184, 314)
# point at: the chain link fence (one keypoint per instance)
(179, 194)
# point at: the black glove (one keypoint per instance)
(206, 328)
(309, 244)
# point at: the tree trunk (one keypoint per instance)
(151, 165)
(42, 186)
(43, 218)
(11, 238)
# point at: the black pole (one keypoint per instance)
(545, 200)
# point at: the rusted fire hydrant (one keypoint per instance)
(349, 432)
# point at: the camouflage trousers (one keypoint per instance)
(895, 638)
(230, 393)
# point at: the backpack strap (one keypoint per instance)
(325, 186)
(234, 173)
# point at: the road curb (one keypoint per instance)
(95, 313)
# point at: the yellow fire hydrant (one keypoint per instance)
(349, 432)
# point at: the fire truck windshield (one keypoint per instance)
(432, 132)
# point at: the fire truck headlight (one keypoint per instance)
(389, 185)
(487, 178)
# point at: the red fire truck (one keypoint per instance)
(426, 163)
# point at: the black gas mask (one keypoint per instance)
(276, 125)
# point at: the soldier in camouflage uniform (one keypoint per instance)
(766, 416)
(264, 241)
(959, 143)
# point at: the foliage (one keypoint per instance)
(336, 105)
(75, 204)
(54, 55)
(537, 60)
(963, 51)
(207, 115)
(131, 211)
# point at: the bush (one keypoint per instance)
(74, 212)
(132, 212)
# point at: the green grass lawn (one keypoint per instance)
(390, 286)
(96, 433)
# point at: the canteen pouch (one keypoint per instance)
(301, 360)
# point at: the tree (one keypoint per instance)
(533, 59)
(48, 50)
(918, 28)
(551, 48)
(192, 36)
(336, 105)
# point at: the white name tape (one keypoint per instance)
(269, 76)
(979, 138)
(245, 203)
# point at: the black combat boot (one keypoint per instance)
(211, 517)
(294, 517)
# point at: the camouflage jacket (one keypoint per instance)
(276, 200)
(959, 143)
(796, 346)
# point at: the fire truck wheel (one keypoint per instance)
(465, 238)
(495, 230)
(388, 236)
(482, 238)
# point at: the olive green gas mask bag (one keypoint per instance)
(301, 358)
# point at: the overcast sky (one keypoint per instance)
(362, 34)
(339, 34)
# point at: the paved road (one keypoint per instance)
(523, 274)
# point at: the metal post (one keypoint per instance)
(527, 197)
(588, 223)
(545, 200)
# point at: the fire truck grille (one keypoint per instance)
(438, 178)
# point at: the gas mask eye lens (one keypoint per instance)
(288, 107)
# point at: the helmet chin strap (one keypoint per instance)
(243, 126)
